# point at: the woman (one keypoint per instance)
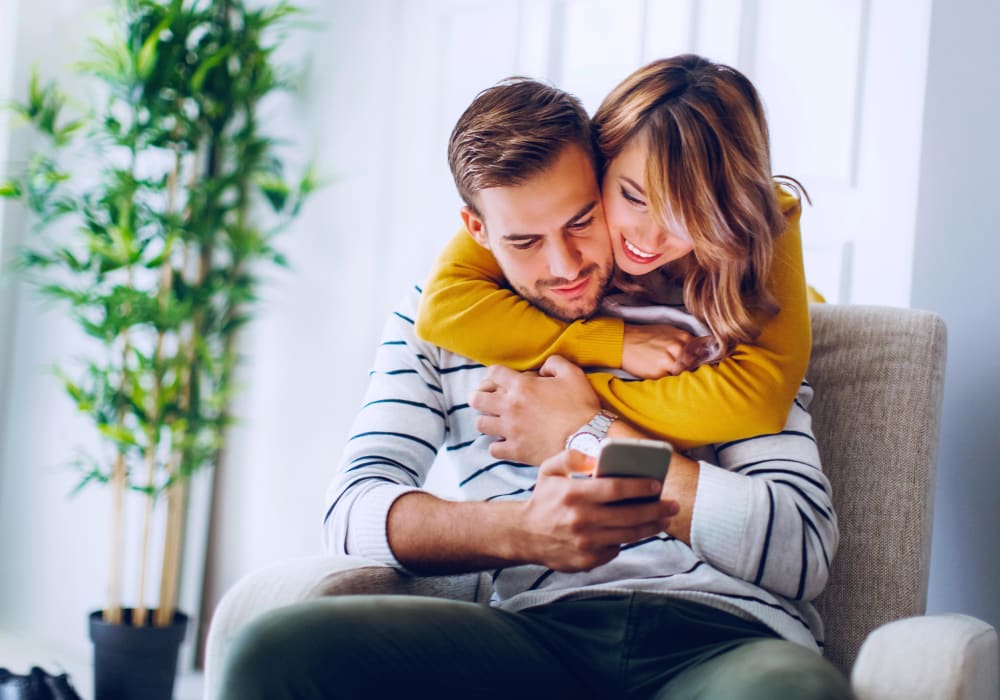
(696, 219)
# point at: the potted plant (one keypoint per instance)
(154, 215)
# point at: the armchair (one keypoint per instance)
(878, 374)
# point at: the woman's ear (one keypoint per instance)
(475, 226)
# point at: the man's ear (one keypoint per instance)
(475, 226)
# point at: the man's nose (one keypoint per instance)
(564, 260)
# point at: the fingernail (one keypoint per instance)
(655, 487)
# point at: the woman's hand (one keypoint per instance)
(531, 413)
(659, 350)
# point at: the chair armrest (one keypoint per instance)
(936, 657)
(304, 579)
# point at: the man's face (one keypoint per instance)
(549, 236)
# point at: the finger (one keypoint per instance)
(487, 385)
(501, 376)
(613, 489)
(625, 535)
(601, 527)
(697, 351)
(556, 365)
(677, 365)
(490, 425)
(565, 463)
(584, 466)
(503, 449)
(487, 402)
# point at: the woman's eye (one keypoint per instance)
(632, 198)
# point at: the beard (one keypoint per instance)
(571, 310)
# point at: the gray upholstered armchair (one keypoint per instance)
(878, 375)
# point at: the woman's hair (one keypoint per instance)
(511, 132)
(708, 172)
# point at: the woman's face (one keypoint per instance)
(640, 244)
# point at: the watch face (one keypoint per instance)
(587, 443)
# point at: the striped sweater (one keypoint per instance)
(763, 530)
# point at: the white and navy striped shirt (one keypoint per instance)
(763, 530)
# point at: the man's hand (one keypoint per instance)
(660, 350)
(533, 414)
(576, 524)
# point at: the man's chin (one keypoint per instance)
(566, 312)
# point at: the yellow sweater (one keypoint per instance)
(748, 393)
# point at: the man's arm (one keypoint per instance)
(568, 524)
(377, 509)
(765, 512)
(393, 443)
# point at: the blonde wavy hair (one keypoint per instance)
(708, 172)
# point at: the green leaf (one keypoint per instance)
(92, 475)
(118, 434)
(198, 79)
(10, 190)
(274, 189)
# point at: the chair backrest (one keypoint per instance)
(878, 374)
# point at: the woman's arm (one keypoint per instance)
(747, 393)
(467, 309)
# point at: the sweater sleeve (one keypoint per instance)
(747, 393)
(764, 513)
(392, 445)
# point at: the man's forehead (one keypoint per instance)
(548, 217)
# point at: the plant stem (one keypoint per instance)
(113, 610)
(119, 479)
(176, 506)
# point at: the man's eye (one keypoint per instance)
(579, 226)
(524, 245)
(632, 198)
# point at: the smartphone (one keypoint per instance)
(634, 457)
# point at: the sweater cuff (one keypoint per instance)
(367, 534)
(600, 342)
(720, 517)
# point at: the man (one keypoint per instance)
(592, 597)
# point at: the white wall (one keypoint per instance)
(955, 273)
(46, 538)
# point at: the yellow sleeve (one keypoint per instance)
(749, 392)
(467, 309)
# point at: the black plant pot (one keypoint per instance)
(135, 662)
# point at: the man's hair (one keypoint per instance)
(513, 131)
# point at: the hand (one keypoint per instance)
(660, 350)
(533, 414)
(573, 524)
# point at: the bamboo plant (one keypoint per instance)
(154, 213)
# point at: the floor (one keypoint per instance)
(19, 655)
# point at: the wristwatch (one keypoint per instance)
(588, 438)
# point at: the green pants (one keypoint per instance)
(630, 646)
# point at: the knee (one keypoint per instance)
(256, 655)
(792, 672)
